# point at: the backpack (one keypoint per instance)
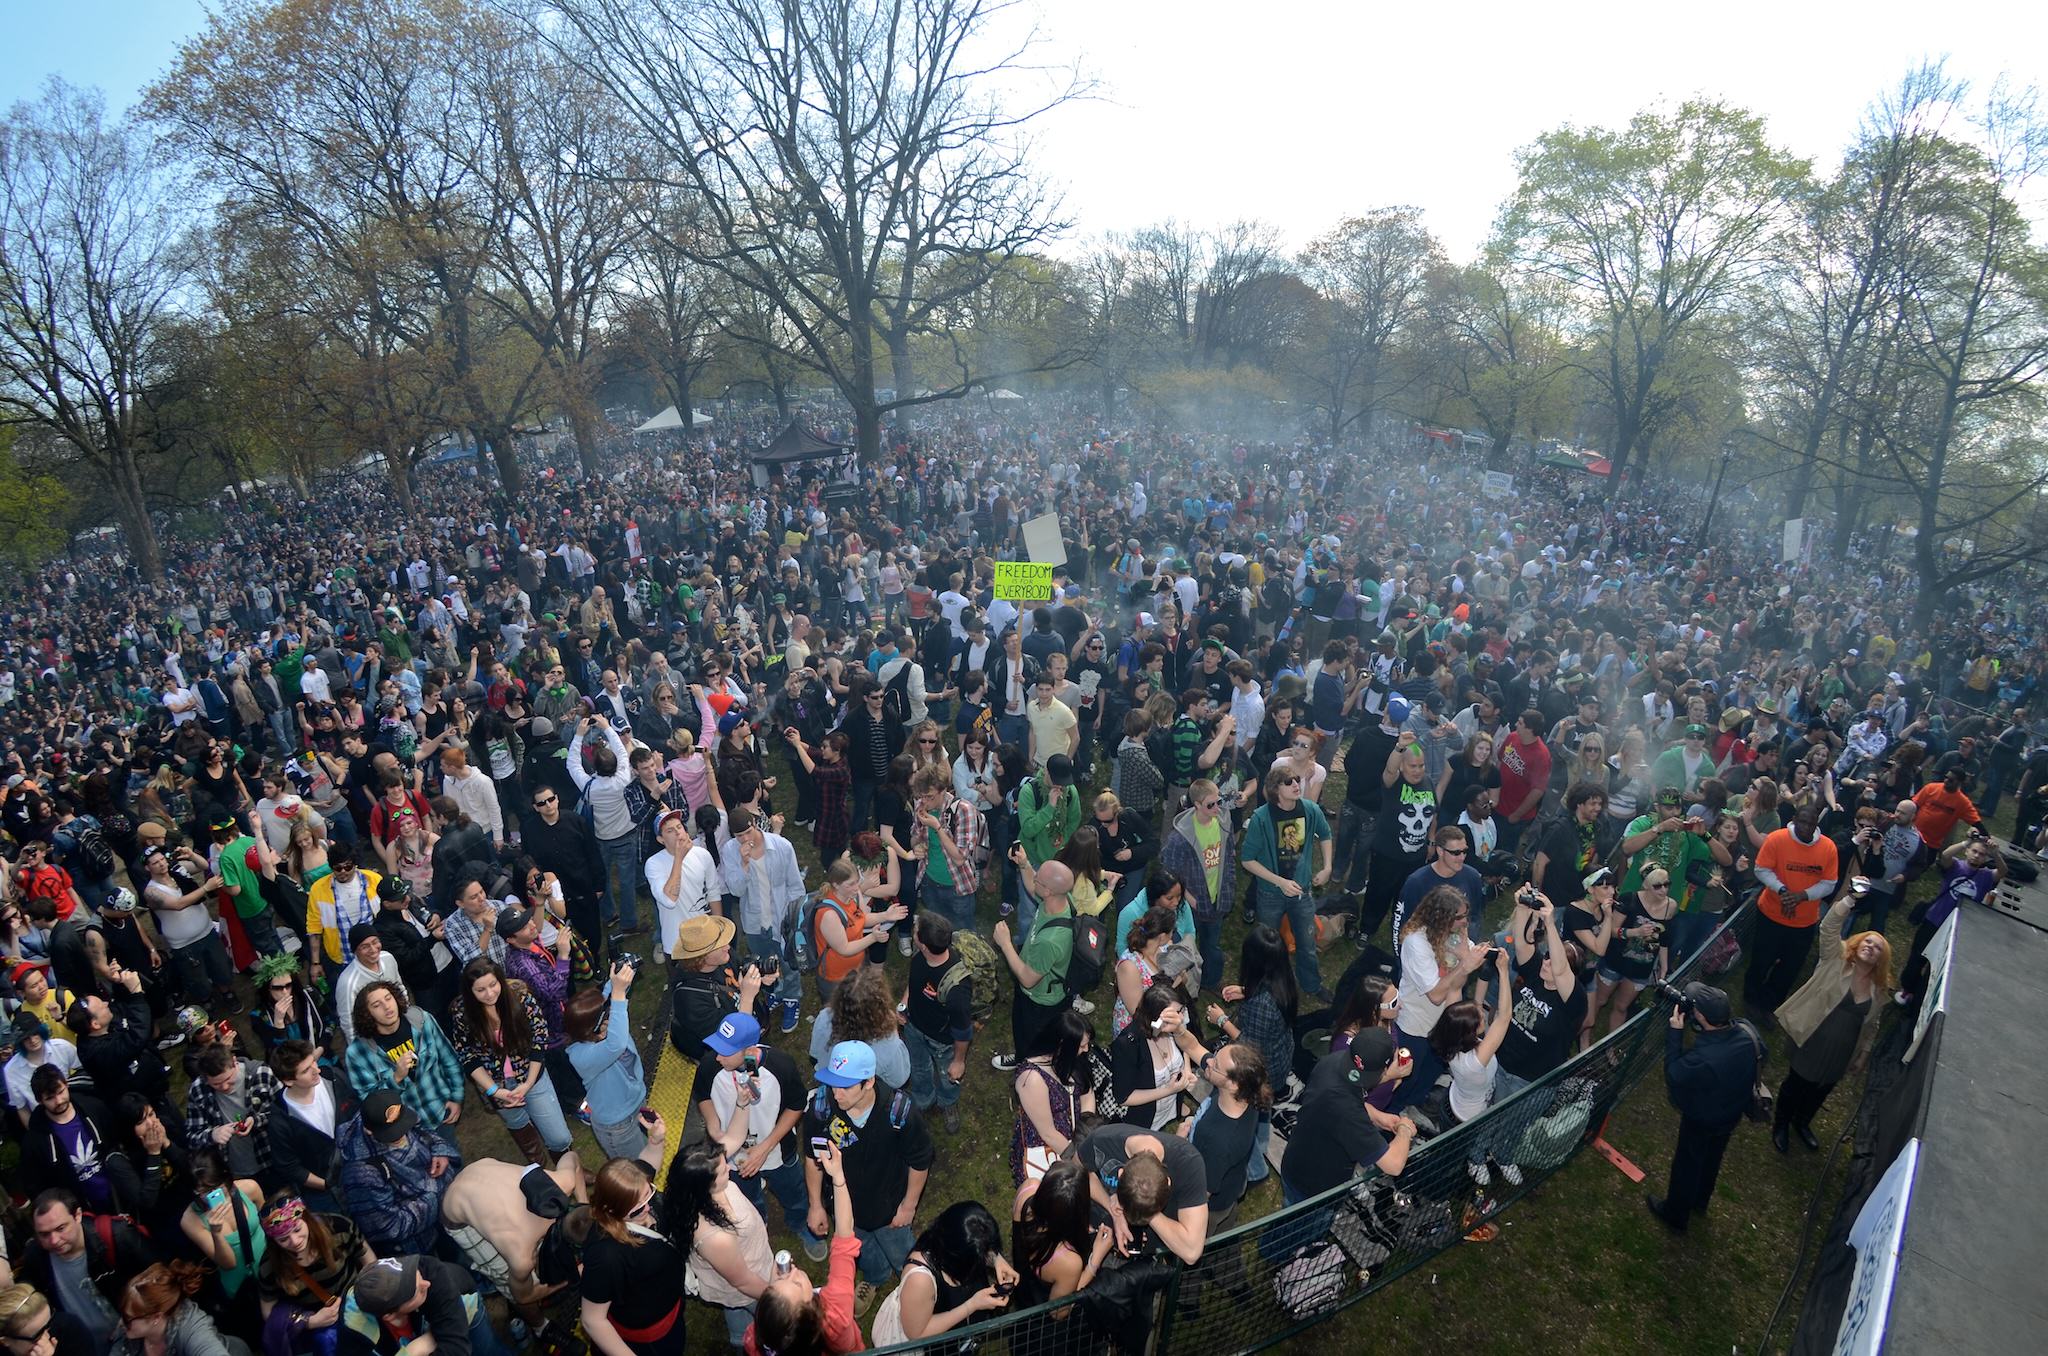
(1315, 1280)
(811, 946)
(90, 855)
(1090, 954)
(977, 966)
(896, 695)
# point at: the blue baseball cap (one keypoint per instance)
(849, 1063)
(736, 1033)
(1397, 709)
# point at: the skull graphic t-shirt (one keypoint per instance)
(1407, 816)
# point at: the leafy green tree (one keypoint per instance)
(1652, 230)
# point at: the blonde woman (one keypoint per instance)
(1831, 1022)
(927, 748)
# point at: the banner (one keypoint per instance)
(1877, 1236)
(1043, 542)
(1023, 581)
(1794, 546)
(1941, 953)
(1497, 485)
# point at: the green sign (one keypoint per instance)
(1023, 581)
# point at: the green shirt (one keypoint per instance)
(1209, 838)
(1047, 951)
(937, 868)
(1675, 852)
(235, 872)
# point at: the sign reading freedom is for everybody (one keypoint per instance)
(1023, 581)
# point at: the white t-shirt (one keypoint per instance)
(1420, 973)
(20, 1070)
(178, 927)
(1471, 1084)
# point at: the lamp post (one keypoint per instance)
(1714, 500)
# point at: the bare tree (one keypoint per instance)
(811, 129)
(1371, 276)
(93, 254)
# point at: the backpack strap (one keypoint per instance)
(103, 1225)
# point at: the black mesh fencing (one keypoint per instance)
(1269, 1280)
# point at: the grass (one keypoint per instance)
(1579, 1265)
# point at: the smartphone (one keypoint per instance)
(216, 1198)
(647, 1116)
(819, 1144)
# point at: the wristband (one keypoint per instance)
(491, 1091)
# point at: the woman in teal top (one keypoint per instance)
(223, 1223)
(1166, 888)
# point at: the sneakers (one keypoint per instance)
(171, 1042)
(1003, 1063)
(1511, 1174)
(1084, 1007)
(791, 1011)
(903, 944)
(1481, 1174)
(817, 1249)
(863, 1299)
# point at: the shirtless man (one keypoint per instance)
(521, 1227)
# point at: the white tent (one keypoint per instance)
(672, 418)
(1004, 393)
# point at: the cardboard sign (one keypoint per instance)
(1023, 581)
(1042, 540)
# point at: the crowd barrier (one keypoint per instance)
(1274, 1278)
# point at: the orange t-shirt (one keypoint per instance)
(833, 967)
(1940, 808)
(1801, 866)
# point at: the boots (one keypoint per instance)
(528, 1139)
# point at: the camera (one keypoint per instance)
(1526, 896)
(627, 958)
(1679, 998)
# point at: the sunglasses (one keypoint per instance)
(1211, 804)
(545, 800)
(927, 740)
(1453, 852)
(284, 986)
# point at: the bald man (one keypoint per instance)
(1040, 968)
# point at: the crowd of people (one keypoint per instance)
(378, 812)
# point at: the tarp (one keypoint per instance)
(796, 443)
(673, 418)
(1004, 393)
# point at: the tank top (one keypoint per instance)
(751, 1233)
(833, 967)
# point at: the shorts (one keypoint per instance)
(483, 1258)
(1609, 975)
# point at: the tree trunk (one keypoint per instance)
(400, 470)
(132, 507)
(503, 456)
(583, 424)
(899, 364)
(867, 423)
(780, 385)
(685, 402)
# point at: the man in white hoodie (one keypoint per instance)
(683, 877)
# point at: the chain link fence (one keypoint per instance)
(1274, 1278)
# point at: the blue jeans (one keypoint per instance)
(1014, 730)
(929, 1060)
(883, 1252)
(1301, 913)
(621, 879)
(1258, 1169)
(483, 1338)
(787, 1184)
(955, 907)
(544, 1110)
(790, 987)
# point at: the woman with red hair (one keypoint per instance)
(1831, 1023)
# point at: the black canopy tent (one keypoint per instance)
(793, 445)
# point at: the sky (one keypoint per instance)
(1302, 112)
